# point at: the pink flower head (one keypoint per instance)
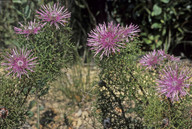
(31, 28)
(53, 14)
(107, 39)
(172, 82)
(19, 62)
(151, 59)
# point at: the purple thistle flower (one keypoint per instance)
(53, 14)
(151, 59)
(19, 62)
(172, 82)
(31, 28)
(109, 39)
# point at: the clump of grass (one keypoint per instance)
(78, 83)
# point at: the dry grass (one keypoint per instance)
(69, 101)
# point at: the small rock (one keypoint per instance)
(26, 126)
(64, 127)
(79, 123)
(78, 114)
(74, 123)
(85, 114)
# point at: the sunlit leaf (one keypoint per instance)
(156, 10)
(31, 104)
(27, 12)
(17, 1)
(164, 31)
(156, 25)
(147, 41)
(165, 1)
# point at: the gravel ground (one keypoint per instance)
(60, 112)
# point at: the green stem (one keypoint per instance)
(118, 100)
(38, 112)
(140, 87)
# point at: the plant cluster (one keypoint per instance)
(42, 48)
(149, 91)
(135, 90)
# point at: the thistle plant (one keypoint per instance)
(51, 46)
(116, 49)
(148, 92)
(40, 57)
(169, 94)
